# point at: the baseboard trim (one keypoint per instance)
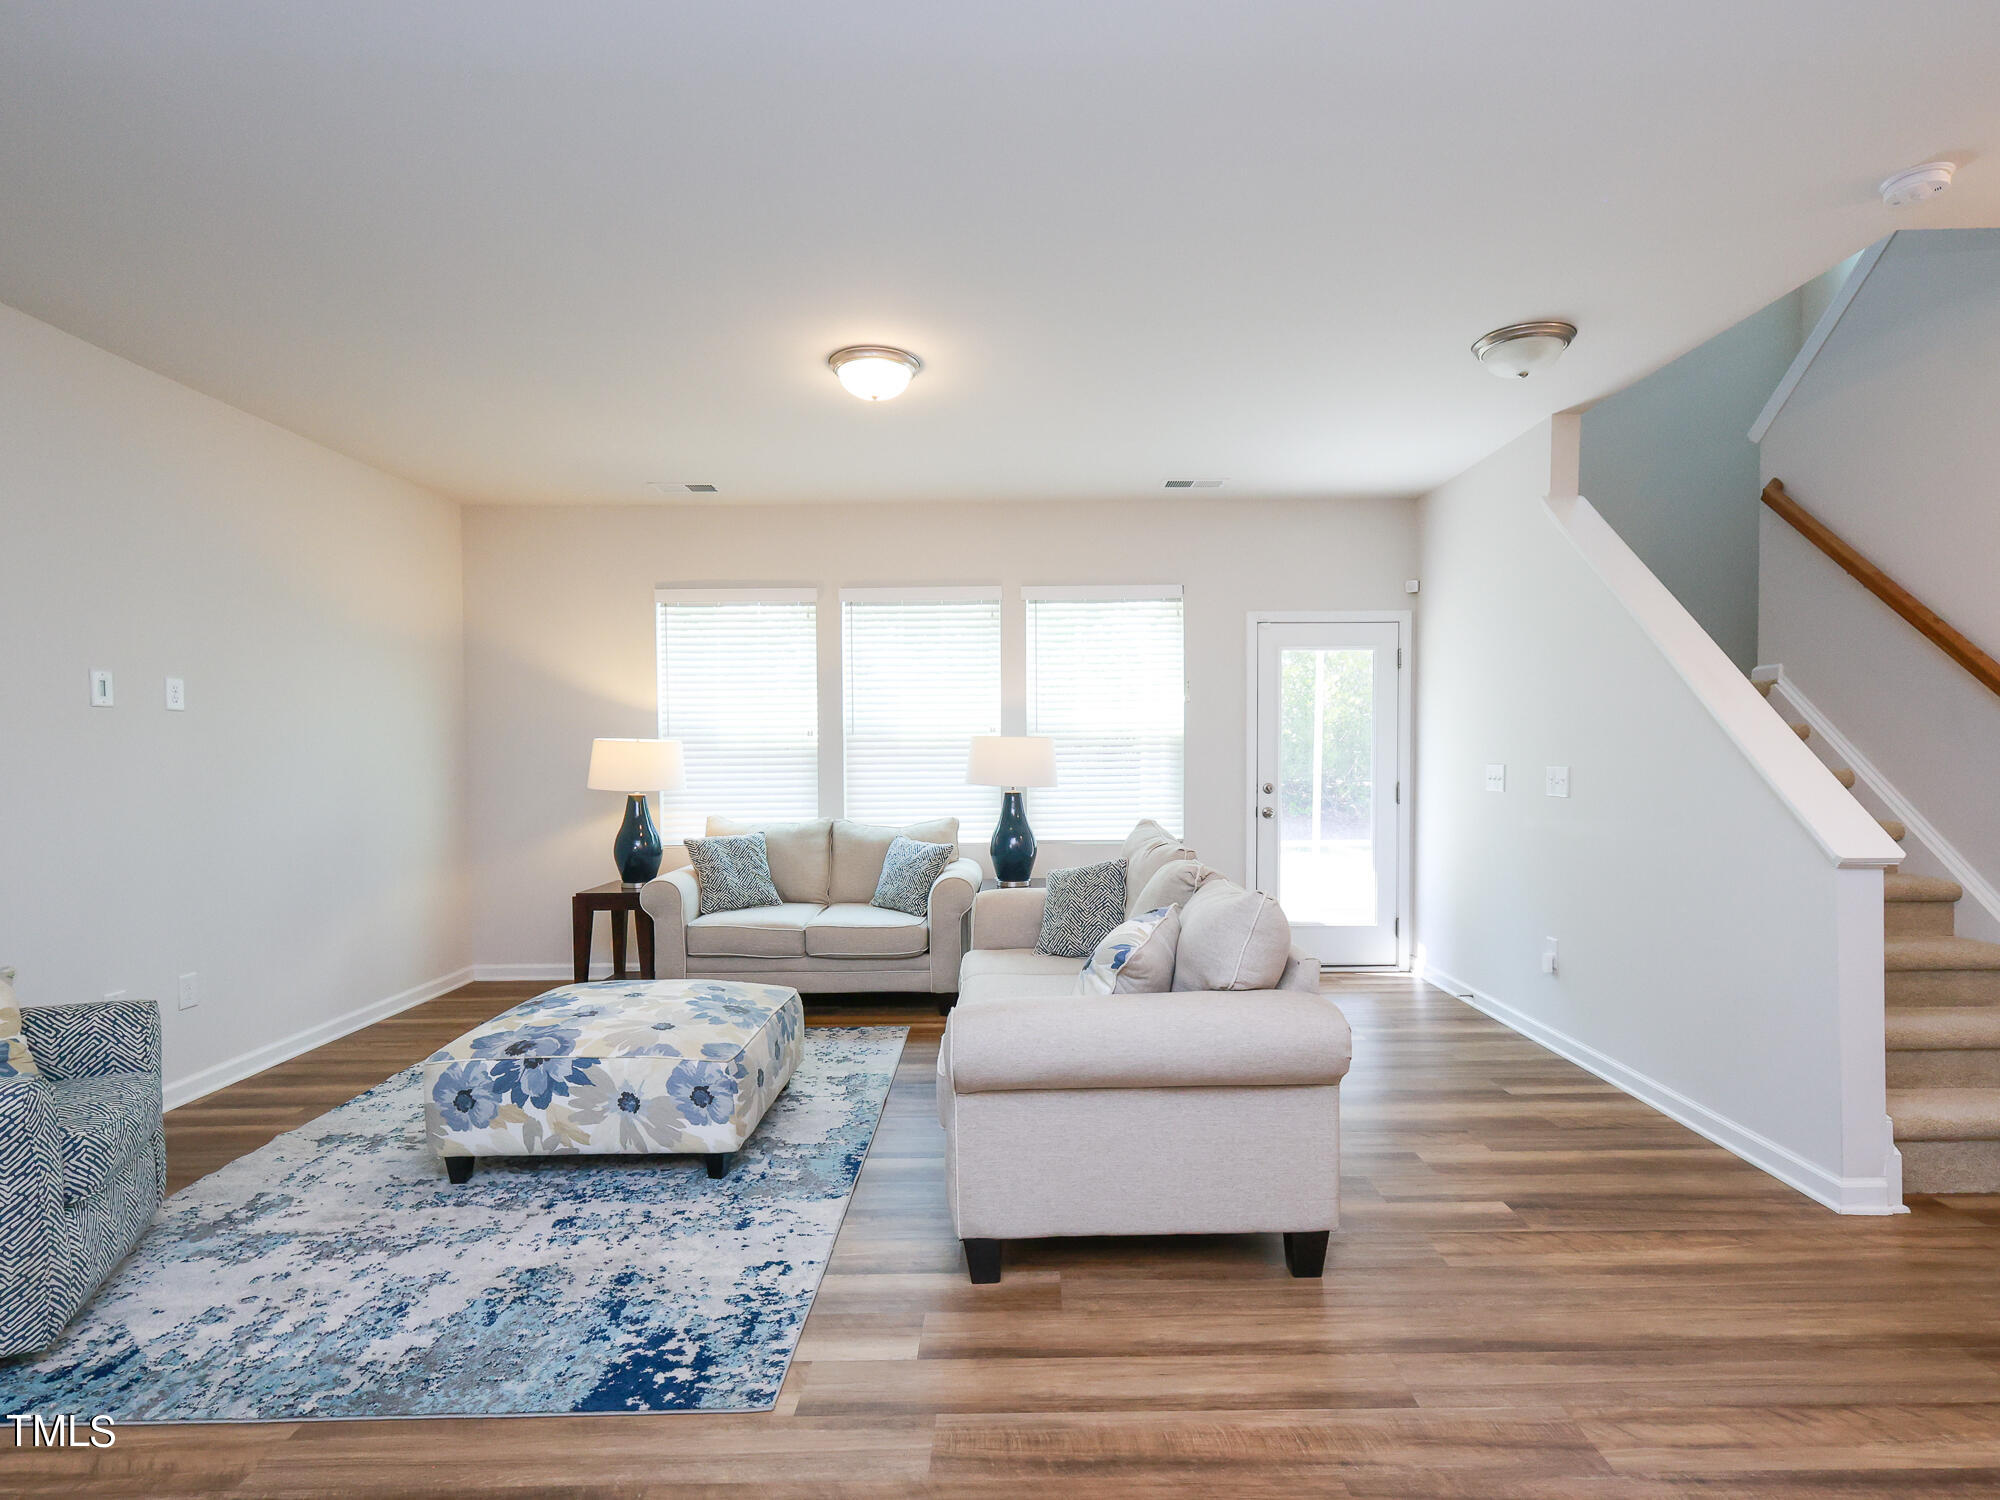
(1846, 1195)
(235, 1069)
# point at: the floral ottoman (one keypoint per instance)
(615, 1068)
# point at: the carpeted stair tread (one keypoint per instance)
(1765, 685)
(1894, 829)
(1845, 777)
(1803, 731)
(1910, 955)
(1920, 888)
(1943, 1114)
(1949, 1028)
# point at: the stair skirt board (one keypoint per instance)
(1847, 1195)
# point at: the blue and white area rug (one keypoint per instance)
(336, 1273)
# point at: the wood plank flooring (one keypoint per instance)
(1542, 1289)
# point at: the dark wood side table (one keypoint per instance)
(617, 899)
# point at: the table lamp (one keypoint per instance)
(636, 767)
(1012, 762)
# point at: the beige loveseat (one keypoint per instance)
(1196, 1112)
(823, 937)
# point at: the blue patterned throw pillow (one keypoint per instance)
(909, 871)
(1083, 905)
(732, 873)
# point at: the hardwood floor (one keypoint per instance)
(1542, 1289)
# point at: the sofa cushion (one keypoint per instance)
(860, 848)
(1172, 884)
(909, 870)
(1135, 958)
(800, 854)
(1231, 939)
(732, 873)
(1147, 847)
(104, 1120)
(16, 1061)
(1001, 1041)
(850, 929)
(1081, 905)
(775, 931)
(1015, 971)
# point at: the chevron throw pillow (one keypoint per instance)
(1083, 904)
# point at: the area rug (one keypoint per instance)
(336, 1273)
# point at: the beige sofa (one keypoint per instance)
(1195, 1112)
(823, 937)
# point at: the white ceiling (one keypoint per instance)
(550, 252)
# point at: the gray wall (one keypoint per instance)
(1667, 462)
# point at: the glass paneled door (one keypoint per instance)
(1326, 798)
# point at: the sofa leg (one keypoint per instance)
(458, 1168)
(717, 1163)
(982, 1260)
(1305, 1254)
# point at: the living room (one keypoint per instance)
(861, 755)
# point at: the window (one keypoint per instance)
(1106, 681)
(922, 670)
(739, 688)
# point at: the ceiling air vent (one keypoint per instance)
(670, 486)
(1194, 484)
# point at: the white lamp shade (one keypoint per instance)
(636, 766)
(1012, 760)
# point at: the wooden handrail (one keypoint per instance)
(1933, 626)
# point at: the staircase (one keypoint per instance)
(1943, 997)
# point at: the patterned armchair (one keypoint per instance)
(83, 1161)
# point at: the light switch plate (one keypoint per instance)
(1557, 784)
(100, 688)
(1551, 956)
(177, 694)
(1496, 778)
(190, 993)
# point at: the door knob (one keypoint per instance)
(1263, 812)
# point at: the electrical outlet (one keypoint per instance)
(100, 688)
(190, 992)
(177, 694)
(1551, 957)
(1557, 783)
(1496, 778)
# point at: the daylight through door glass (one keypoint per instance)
(1326, 787)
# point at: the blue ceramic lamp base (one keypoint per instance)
(637, 848)
(1013, 846)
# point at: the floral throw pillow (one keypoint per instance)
(909, 870)
(1083, 904)
(1135, 958)
(732, 873)
(16, 1061)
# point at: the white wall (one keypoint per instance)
(1667, 463)
(1715, 958)
(1891, 439)
(560, 644)
(293, 837)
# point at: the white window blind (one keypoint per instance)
(922, 675)
(739, 688)
(1106, 681)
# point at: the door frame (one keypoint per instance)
(1403, 620)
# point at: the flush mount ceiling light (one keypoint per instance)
(874, 372)
(1518, 350)
(1917, 184)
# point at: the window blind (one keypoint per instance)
(739, 688)
(1106, 680)
(922, 677)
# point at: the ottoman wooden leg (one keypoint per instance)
(458, 1168)
(982, 1260)
(717, 1163)
(1305, 1254)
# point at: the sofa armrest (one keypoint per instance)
(1189, 1039)
(671, 901)
(952, 895)
(94, 1038)
(1007, 918)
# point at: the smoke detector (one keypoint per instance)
(1518, 350)
(1917, 184)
